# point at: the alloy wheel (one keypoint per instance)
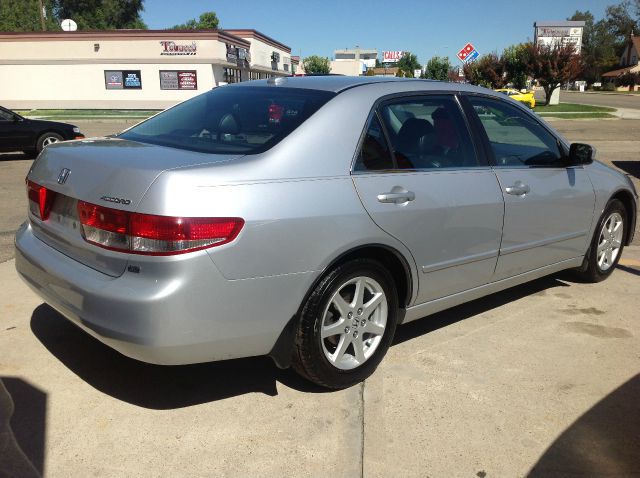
(354, 322)
(610, 241)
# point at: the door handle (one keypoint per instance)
(397, 197)
(518, 189)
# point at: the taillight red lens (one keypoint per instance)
(153, 235)
(40, 199)
(276, 112)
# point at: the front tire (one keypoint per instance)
(46, 139)
(607, 243)
(346, 325)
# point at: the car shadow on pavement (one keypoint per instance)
(17, 155)
(23, 409)
(604, 441)
(630, 270)
(631, 167)
(156, 386)
(448, 317)
(168, 387)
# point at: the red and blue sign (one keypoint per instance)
(468, 53)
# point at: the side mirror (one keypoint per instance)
(580, 153)
(16, 118)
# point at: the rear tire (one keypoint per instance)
(46, 139)
(606, 245)
(346, 325)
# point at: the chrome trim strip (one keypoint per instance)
(542, 242)
(460, 261)
(427, 308)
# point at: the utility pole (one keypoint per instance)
(41, 15)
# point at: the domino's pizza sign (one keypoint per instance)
(468, 53)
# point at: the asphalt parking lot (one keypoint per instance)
(541, 380)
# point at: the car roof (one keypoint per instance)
(334, 83)
(381, 84)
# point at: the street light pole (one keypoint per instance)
(41, 15)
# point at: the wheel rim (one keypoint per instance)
(354, 322)
(49, 140)
(610, 241)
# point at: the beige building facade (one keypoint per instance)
(133, 69)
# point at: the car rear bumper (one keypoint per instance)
(172, 312)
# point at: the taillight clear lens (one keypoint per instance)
(40, 200)
(153, 235)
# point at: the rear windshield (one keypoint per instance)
(231, 119)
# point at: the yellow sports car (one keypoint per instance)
(526, 98)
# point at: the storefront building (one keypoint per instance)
(133, 69)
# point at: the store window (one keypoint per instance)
(122, 80)
(232, 75)
(178, 80)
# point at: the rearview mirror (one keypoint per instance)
(580, 153)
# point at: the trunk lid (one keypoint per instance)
(110, 172)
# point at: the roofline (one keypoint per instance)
(133, 35)
(251, 33)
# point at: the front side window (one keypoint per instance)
(231, 119)
(516, 138)
(428, 132)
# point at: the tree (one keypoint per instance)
(101, 14)
(619, 23)
(553, 65)
(472, 73)
(24, 16)
(316, 65)
(514, 60)
(492, 69)
(598, 47)
(408, 64)
(437, 68)
(207, 21)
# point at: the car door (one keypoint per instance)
(420, 180)
(549, 206)
(13, 133)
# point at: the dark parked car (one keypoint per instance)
(23, 134)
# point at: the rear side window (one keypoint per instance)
(428, 132)
(374, 153)
(231, 119)
(516, 139)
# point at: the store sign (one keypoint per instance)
(240, 56)
(187, 80)
(178, 80)
(132, 79)
(244, 55)
(123, 80)
(232, 53)
(113, 80)
(173, 48)
(391, 56)
(559, 35)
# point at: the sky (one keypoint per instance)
(424, 27)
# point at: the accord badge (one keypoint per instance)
(64, 174)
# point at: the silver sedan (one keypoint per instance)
(305, 218)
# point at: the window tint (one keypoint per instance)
(231, 119)
(516, 138)
(374, 153)
(5, 116)
(428, 132)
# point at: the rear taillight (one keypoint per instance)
(40, 200)
(153, 235)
